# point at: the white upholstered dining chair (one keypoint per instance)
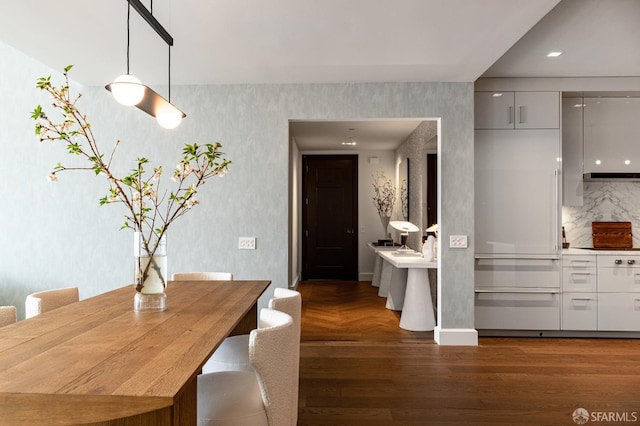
(233, 352)
(8, 315)
(266, 397)
(47, 300)
(202, 276)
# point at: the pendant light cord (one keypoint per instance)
(128, 35)
(169, 74)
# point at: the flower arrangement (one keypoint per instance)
(150, 210)
(384, 194)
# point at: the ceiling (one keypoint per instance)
(275, 41)
(385, 135)
(311, 41)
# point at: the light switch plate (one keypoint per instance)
(247, 243)
(457, 241)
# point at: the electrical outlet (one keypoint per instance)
(457, 241)
(247, 243)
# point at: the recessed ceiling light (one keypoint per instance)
(351, 143)
(497, 95)
(554, 54)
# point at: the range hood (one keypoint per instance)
(620, 176)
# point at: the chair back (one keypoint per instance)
(202, 276)
(273, 351)
(290, 302)
(44, 301)
(8, 315)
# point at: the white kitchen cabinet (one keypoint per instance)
(517, 294)
(517, 206)
(517, 310)
(517, 274)
(579, 292)
(517, 110)
(618, 273)
(611, 129)
(619, 312)
(579, 273)
(572, 152)
(579, 311)
(618, 292)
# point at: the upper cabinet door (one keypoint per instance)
(537, 110)
(517, 110)
(494, 110)
(611, 129)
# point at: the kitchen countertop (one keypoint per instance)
(577, 251)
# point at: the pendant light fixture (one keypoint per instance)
(128, 90)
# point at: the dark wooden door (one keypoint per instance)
(329, 217)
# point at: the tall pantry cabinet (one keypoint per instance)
(517, 210)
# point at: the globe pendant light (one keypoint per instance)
(169, 116)
(128, 90)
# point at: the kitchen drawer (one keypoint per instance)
(619, 312)
(579, 279)
(517, 273)
(619, 279)
(579, 311)
(517, 311)
(579, 261)
(618, 261)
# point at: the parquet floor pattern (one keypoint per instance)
(358, 367)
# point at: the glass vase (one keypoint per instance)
(150, 273)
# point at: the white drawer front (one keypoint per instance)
(619, 279)
(579, 311)
(517, 311)
(618, 312)
(517, 273)
(618, 261)
(578, 261)
(579, 279)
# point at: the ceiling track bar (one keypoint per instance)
(153, 22)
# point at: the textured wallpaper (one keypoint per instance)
(55, 235)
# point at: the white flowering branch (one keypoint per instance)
(148, 213)
(384, 194)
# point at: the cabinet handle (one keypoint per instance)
(618, 261)
(556, 209)
(510, 115)
(521, 112)
(631, 261)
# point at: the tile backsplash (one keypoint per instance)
(609, 201)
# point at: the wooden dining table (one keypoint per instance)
(98, 362)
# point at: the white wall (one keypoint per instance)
(56, 235)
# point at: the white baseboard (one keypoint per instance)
(365, 276)
(455, 336)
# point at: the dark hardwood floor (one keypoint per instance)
(358, 367)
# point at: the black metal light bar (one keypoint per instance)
(153, 22)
